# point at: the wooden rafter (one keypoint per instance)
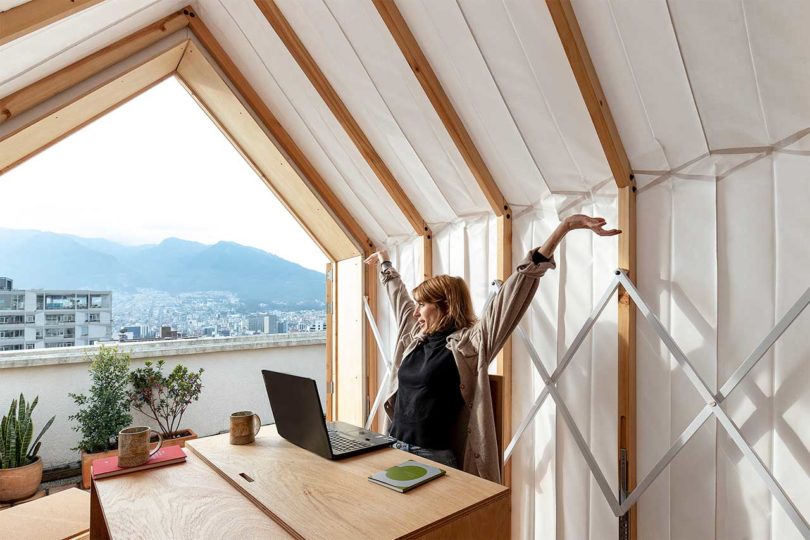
(288, 145)
(562, 13)
(44, 89)
(424, 73)
(35, 14)
(322, 85)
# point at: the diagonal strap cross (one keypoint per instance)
(712, 407)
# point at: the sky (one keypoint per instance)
(154, 168)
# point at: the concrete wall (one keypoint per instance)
(232, 381)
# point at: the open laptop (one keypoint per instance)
(299, 419)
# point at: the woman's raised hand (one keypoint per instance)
(378, 257)
(596, 224)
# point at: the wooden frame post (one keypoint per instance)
(330, 342)
(562, 13)
(505, 356)
(627, 357)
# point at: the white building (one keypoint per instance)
(41, 319)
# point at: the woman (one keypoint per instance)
(439, 404)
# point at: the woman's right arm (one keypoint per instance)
(397, 293)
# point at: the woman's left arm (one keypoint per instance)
(504, 312)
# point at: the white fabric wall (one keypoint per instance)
(721, 258)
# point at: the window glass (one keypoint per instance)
(12, 302)
(62, 301)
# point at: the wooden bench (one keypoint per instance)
(59, 516)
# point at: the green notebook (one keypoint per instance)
(406, 476)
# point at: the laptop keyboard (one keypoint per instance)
(341, 444)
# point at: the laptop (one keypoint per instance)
(299, 419)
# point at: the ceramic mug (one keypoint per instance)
(245, 425)
(133, 446)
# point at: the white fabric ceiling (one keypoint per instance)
(683, 79)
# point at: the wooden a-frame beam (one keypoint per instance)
(288, 145)
(331, 98)
(562, 13)
(35, 14)
(437, 96)
(44, 89)
(314, 203)
(52, 126)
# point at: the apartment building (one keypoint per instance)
(41, 319)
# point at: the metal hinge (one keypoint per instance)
(329, 307)
(329, 275)
(330, 387)
(624, 521)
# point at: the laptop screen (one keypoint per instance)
(297, 411)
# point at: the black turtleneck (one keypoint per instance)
(429, 398)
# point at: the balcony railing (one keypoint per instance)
(232, 380)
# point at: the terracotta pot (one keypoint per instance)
(179, 441)
(20, 482)
(87, 459)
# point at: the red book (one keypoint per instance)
(168, 455)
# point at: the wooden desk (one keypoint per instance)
(188, 500)
(296, 494)
(313, 497)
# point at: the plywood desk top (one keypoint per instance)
(313, 497)
(188, 500)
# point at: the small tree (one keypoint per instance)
(165, 399)
(105, 411)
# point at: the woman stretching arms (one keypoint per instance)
(439, 404)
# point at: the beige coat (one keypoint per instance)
(473, 349)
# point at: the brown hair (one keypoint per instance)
(452, 296)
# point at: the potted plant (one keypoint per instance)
(105, 410)
(166, 398)
(20, 466)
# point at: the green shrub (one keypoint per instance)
(16, 430)
(164, 399)
(105, 411)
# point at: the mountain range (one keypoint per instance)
(46, 260)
